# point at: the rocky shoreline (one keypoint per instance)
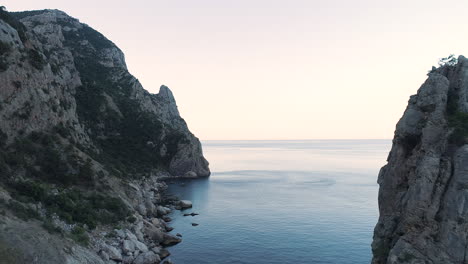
(146, 240)
(143, 240)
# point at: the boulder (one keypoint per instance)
(150, 207)
(147, 258)
(127, 260)
(185, 204)
(164, 253)
(190, 174)
(162, 210)
(129, 235)
(128, 246)
(104, 255)
(112, 252)
(169, 240)
(142, 209)
(120, 233)
(155, 234)
(156, 250)
(140, 246)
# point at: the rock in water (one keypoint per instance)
(184, 204)
(424, 186)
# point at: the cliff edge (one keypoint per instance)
(424, 187)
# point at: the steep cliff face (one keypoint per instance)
(83, 148)
(60, 73)
(423, 197)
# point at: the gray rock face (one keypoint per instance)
(423, 188)
(64, 73)
(73, 118)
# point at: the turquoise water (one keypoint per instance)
(282, 202)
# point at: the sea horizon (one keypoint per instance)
(301, 201)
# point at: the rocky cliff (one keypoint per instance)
(83, 147)
(423, 197)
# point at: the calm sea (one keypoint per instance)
(269, 202)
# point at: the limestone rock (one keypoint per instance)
(147, 258)
(423, 187)
(185, 204)
(169, 240)
(66, 91)
(112, 252)
(128, 246)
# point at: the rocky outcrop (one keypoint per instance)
(84, 149)
(65, 74)
(424, 187)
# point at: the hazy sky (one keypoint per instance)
(270, 69)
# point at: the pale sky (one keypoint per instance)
(270, 69)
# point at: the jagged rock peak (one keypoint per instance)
(165, 92)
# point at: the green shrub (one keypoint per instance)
(14, 158)
(21, 211)
(35, 59)
(79, 235)
(86, 172)
(76, 207)
(33, 190)
(459, 121)
(131, 219)
(4, 48)
(50, 227)
(3, 64)
(72, 205)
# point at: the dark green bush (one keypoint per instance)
(50, 227)
(4, 48)
(35, 59)
(86, 172)
(33, 190)
(21, 211)
(131, 219)
(3, 64)
(459, 121)
(79, 235)
(74, 206)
